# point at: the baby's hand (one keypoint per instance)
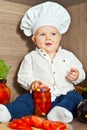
(35, 85)
(73, 74)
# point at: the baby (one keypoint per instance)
(48, 64)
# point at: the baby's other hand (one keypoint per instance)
(35, 85)
(73, 74)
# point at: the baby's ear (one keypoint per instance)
(33, 38)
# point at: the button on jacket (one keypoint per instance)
(37, 65)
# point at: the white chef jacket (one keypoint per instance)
(37, 65)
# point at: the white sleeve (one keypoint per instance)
(78, 65)
(25, 74)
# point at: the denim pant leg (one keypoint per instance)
(70, 101)
(22, 106)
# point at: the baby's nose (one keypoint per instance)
(47, 36)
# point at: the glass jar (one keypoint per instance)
(42, 101)
(4, 92)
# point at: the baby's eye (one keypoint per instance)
(53, 34)
(42, 34)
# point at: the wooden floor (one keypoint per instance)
(77, 125)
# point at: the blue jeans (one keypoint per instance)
(24, 105)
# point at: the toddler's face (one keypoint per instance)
(47, 38)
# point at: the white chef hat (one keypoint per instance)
(47, 13)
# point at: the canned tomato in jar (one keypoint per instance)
(42, 101)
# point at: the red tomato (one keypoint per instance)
(58, 126)
(38, 101)
(26, 119)
(47, 95)
(36, 121)
(39, 94)
(53, 125)
(19, 124)
(37, 110)
(46, 125)
(12, 125)
(44, 99)
(16, 127)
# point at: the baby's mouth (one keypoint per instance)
(48, 44)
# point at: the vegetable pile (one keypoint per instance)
(28, 122)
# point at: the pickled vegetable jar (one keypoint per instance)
(4, 92)
(42, 101)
